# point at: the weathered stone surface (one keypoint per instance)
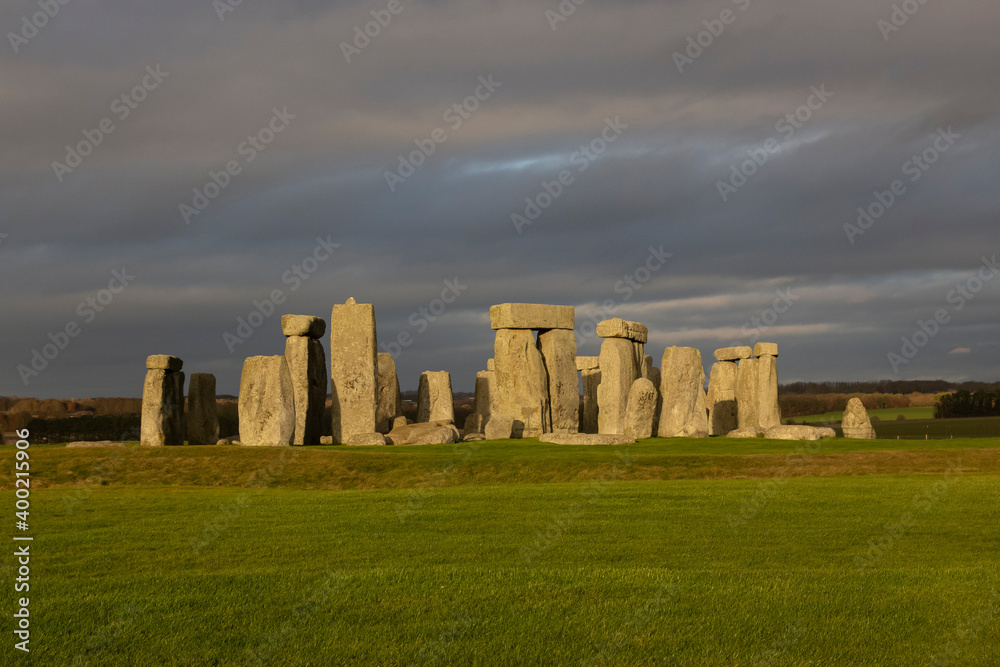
(202, 416)
(684, 413)
(353, 369)
(435, 402)
(655, 378)
(640, 409)
(746, 394)
(423, 433)
(792, 432)
(826, 432)
(721, 398)
(590, 411)
(95, 443)
(733, 353)
(163, 362)
(647, 367)
(485, 402)
(618, 372)
(162, 420)
(472, 437)
(225, 441)
(768, 410)
(390, 401)
(855, 422)
(400, 421)
(326, 439)
(558, 349)
(588, 363)
(307, 367)
(266, 403)
(499, 427)
(765, 350)
(585, 439)
(303, 325)
(475, 423)
(746, 432)
(522, 382)
(531, 316)
(491, 364)
(616, 327)
(366, 440)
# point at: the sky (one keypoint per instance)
(175, 176)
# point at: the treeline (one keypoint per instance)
(799, 405)
(885, 387)
(55, 407)
(983, 403)
(87, 427)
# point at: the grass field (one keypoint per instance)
(885, 414)
(664, 552)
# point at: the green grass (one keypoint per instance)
(884, 414)
(724, 572)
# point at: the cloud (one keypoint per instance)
(961, 350)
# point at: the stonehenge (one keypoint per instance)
(389, 405)
(621, 363)
(202, 421)
(757, 387)
(721, 397)
(855, 422)
(162, 419)
(484, 403)
(642, 401)
(435, 402)
(353, 369)
(266, 402)
(558, 349)
(682, 378)
(307, 366)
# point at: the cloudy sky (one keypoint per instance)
(696, 166)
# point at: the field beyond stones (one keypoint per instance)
(704, 552)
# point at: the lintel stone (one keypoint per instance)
(616, 327)
(531, 316)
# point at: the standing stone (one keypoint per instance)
(490, 365)
(654, 377)
(202, 416)
(640, 410)
(266, 403)
(353, 369)
(522, 382)
(856, 423)
(746, 394)
(499, 427)
(485, 402)
(684, 413)
(590, 413)
(722, 411)
(618, 372)
(647, 367)
(390, 401)
(303, 325)
(768, 409)
(435, 402)
(162, 420)
(307, 367)
(558, 349)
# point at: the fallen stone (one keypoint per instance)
(307, 367)
(733, 353)
(585, 439)
(326, 439)
(202, 417)
(618, 372)
(499, 427)
(616, 327)
(422, 433)
(366, 440)
(400, 421)
(589, 421)
(266, 403)
(558, 350)
(640, 409)
(472, 437)
(826, 432)
(390, 402)
(531, 316)
(746, 432)
(95, 443)
(684, 413)
(162, 418)
(588, 363)
(435, 402)
(721, 398)
(768, 409)
(224, 441)
(793, 432)
(746, 394)
(765, 350)
(522, 382)
(353, 369)
(163, 362)
(855, 423)
(303, 325)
